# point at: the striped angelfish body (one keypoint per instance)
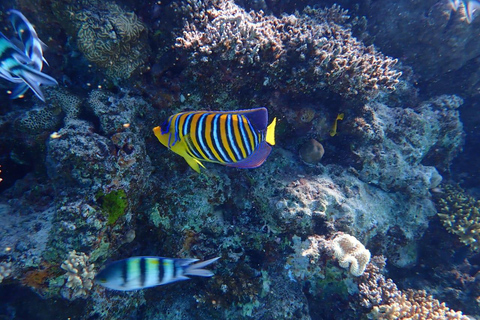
(234, 138)
(144, 272)
(220, 137)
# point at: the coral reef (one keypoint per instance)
(292, 237)
(217, 31)
(351, 254)
(79, 276)
(107, 35)
(389, 303)
(40, 119)
(460, 214)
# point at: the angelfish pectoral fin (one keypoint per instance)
(194, 163)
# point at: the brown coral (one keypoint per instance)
(221, 29)
(460, 214)
(389, 303)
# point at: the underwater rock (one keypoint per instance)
(311, 151)
(5, 270)
(395, 145)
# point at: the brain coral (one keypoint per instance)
(322, 51)
(351, 253)
(107, 35)
(460, 214)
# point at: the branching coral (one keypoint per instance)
(80, 275)
(460, 214)
(389, 303)
(326, 50)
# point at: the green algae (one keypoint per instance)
(113, 204)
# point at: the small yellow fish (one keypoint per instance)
(333, 132)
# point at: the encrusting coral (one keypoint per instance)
(219, 30)
(351, 253)
(80, 275)
(460, 214)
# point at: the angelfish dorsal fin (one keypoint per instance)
(258, 117)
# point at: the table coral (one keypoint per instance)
(220, 30)
(79, 276)
(460, 214)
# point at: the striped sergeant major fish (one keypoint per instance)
(470, 6)
(31, 45)
(144, 272)
(238, 139)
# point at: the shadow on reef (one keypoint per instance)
(466, 167)
(20, 302)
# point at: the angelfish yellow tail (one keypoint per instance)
(270, 138)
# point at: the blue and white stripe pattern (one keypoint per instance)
(144, 272)
(23, 67)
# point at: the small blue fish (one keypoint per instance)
(30, 43)
(144, 272)
(240, 139)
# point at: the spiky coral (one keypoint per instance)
(460, 214)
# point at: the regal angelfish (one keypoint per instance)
(144, 272)
(238, 139)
